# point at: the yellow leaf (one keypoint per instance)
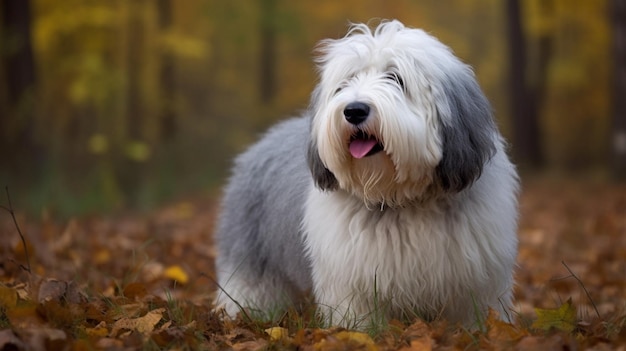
(562, 318)
(176, 273)
(8, 297)
(102, 256)
(278, 334)
(99, 330)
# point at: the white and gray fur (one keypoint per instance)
(427, 227)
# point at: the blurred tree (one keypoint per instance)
(129, 174)
(115, 79)
(18, 146)
(167, 82)
(618, 11)
(524, 99)
(267, 51)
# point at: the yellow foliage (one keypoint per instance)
(98, 144)
(176, 273)
(184, 45)
(138, 151)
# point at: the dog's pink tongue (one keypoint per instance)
(361, 147)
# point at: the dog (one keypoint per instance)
(391, 196)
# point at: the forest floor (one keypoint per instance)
(131, 281)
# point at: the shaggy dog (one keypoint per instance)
(391, 196)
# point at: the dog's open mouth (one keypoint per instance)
(363, 145)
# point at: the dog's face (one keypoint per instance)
(396, 116)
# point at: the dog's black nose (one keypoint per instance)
(356, 112)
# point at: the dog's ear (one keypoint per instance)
(323, 178)
(467, 129)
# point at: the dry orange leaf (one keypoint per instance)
(102, 256)
(135, 290)
(251, 345)
(356, 338)
(24, 316)
(144, 325)
(500, 330)
(422, 344)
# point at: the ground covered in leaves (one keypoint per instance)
(145, 282)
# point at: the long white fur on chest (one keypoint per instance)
(430, 260)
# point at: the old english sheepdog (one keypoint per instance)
(392, 195)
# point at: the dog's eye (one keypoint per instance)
(396, 78)
(337, 90)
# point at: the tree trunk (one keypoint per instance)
(167, 74)
(267, 59)
(618, 11)
(18, 147)
(129, 173)
(527, 148)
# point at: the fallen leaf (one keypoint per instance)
(250, 345)
(176, 273)
(8, 297)
(278, 334)
(236, 335)
(360, 338)
(135, 291)
(422, 344)
(562, 318)
(51, 290)
(44, 338)
(144, 324)
(61, 315)
(99, 330)
(501, 331)
(352, 339)
(419, 335)
(24, 316)
(109, 344)
(554, 342)
(102, 256)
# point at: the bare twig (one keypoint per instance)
(10, 210)
(584, 289)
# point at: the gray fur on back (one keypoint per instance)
(258, 232)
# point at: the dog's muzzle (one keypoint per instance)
(361, 144)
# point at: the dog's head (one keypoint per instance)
(395, 116)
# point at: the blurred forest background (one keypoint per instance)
(114, 104)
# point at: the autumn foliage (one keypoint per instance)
(145, 282)
(130, 103)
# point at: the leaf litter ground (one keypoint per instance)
(145, 282)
